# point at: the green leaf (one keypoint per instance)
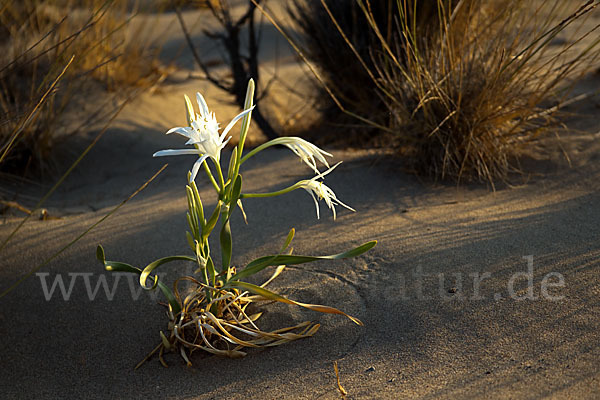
(198, 202)
(239, 203)
(232, 161)
(190, 199)
(246, 120)
(266, 260)
(175, 307)
(116, 266)
(226, 187)
(267, 294)
(288, 240)
(210, 268)
(226, 245)
(199, 254)
(192, 225)
(100, 254)
(190, 240)
(210, 225)
(153, 265)
(236, 191)
(283, 259)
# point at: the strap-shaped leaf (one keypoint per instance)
(241, 206)
(267, 294)
(212, 221)
(232, 161)
(225, 235)
(283, 259)
(190, 240)
(198, 203)
(155, 264)
(210, 268)
(100, 254)
(193, 227)
(116, 266)
(226, 245)
(227, 186)
(190, 200)
(236, 191)
(288, 240)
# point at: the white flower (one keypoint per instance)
(305, 150)
(203, 133)
(323, 192)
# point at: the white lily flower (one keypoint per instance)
(203, 133)
(308, 152)
(305, 150)
(319, 190)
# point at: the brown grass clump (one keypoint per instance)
(37, 40)
(465, 96)
(348, 71)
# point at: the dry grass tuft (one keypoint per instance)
(37, 40)
(464, 93)
(349, 71)
(339, 67)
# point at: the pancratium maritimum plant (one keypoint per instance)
(213, 315)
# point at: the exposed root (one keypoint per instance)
(216, 321)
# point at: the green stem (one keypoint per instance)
(221, 179)
(272, 194)
(245, 126)
(245, 122)
(258, 149)
(211, 177)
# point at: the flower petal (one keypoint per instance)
(316, 203)
(317, 152)
(225, 142)
(322, 174)
(236, 119)
(344, 205)
(202, 105)
(177, 152)
(191, 115)
(183, 131)
(305, 150)
(194, 140)
(196, 167)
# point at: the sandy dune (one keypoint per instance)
(433, 328)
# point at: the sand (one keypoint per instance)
(432, 327)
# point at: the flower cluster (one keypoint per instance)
(203, 134)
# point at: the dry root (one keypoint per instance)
(215, 320)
